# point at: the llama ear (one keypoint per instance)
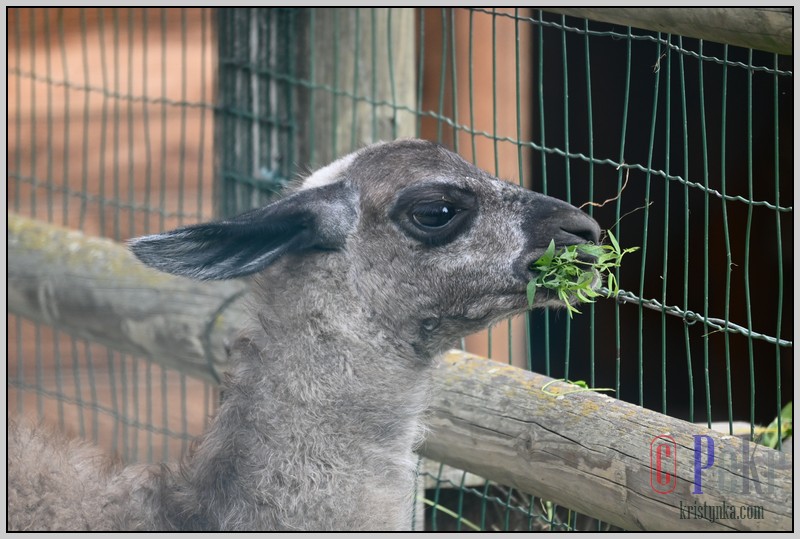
(319, 218)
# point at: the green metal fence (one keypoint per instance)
(127, 121)
(110, 130)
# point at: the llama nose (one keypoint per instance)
(581, 228)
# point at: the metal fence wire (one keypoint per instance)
(132, 120)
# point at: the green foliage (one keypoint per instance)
(771, 435)
(581, 384)
(570, 277)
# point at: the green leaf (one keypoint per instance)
(593, 250)
(612, 285)
(614, 241)
(531, 292)
(771, 435)
(572, 278)
(547, 258)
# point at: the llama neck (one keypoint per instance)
(317, 424)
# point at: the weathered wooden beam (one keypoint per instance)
(592, 453)
(763, 28)
(95, 289)
(581, 449)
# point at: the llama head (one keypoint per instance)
(427, 240)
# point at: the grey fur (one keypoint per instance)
(352, 303)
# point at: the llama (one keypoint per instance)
(361, 278)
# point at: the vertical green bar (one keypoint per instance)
(123, 408)
(507, 506)
(521, 173)
(567, 172)
(540, 89)
(112, 388)
(617, 227)
(116, 125)
(685, 123)
(420, 70)
(148, 158)
(291, 106)
(164, 414)
(92, 390)
(76, 377)
(67, 108)
(776, 123)
(665, 266)
(17, 111)
(704, 142)
(134, 443)
(202, 112)
(485, 495)
(312, 76)
(494, 104)
(131, 133)
(148, 382)
(182, 148)
(104, 123)
(590, 130)
(489, 332)
(416, 490)
(436, 495)
(460, 511)
(162, 199)
(49, 114)
(184, 414)
(470, 77)
(442, 78)
(267, 87)
(56, 336)
(85, 137)
(335, 100)
(356, 75)
(392, 86)
(37, 338)
(651, 147)
(748, 230)
(471, 89)
(454, 77)
(33, 122)
(373, 31)
(20, 363)
(565, 106)
(726, 232)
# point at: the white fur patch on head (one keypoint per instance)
(329, 173)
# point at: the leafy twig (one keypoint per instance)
(572, 278)
(579, 383)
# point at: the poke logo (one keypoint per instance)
(664, 465)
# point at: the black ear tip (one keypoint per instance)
(134, 245)
(138, 243)
(151, 250)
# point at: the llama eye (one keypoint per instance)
(433, 214)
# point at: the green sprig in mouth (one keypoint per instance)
(569, 276)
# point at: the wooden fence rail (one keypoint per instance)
(764, 28)
(581, 449)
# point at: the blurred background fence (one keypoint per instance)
(132, 120)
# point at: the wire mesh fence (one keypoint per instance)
(128, 121)
(110, 132)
